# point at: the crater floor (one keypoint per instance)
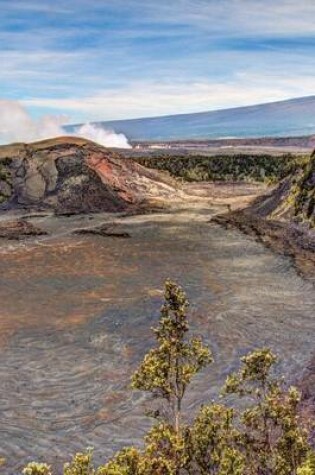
(76, 313)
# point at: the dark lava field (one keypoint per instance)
(76, 313)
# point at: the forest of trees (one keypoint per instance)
(265, 437)
(237, 167)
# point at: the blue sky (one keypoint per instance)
(111, 59)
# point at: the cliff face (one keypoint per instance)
(293, 199)
(284, 219)
(303, 193)
(70, 175)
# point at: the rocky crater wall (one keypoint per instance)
(74, 176)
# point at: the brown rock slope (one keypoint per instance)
(293, 199)
(284, 219)
(72, 175)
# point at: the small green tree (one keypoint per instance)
(265, 438)
(273, 441)
(165, 451)
(214, 442)
(167, 370)
(125, 462)
(37, 468)
(81, 464)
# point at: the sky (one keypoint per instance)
(88, 60)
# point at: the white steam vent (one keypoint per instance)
(102, 136)
(17, 125)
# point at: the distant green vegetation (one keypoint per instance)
(264, 436)
(302, 193)
(238, 167)
(270, 169)
(5, 181)
(4, 172)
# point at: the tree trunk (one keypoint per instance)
(177, 414)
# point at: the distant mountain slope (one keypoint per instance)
(286, 118)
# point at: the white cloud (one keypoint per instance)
(49, 7)
(16, 124)
(38, 60)
(161, 57)
(143, 99)
(258, 17)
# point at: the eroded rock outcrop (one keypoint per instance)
(19, 229)
(293, 199)
(72, 175)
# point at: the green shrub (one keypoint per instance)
(237, 167)
(264, 438)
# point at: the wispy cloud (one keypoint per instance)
(118, 58)
(34, 6)
(137, 99)
(259, 17)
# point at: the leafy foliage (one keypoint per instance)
(264, 438)
(167, 370)
(272, 440)
(308, 467)
(237, 167)
(125, 462)
(215, 440)
(35, 468)
(302, 194)
(81, 464)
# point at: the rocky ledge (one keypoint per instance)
(103, 230)
(285, 238)
(19, 229)
(284, 218)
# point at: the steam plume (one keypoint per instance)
(16, 125)
(102, 136)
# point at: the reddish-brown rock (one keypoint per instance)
(71, 175)
(19, 229)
